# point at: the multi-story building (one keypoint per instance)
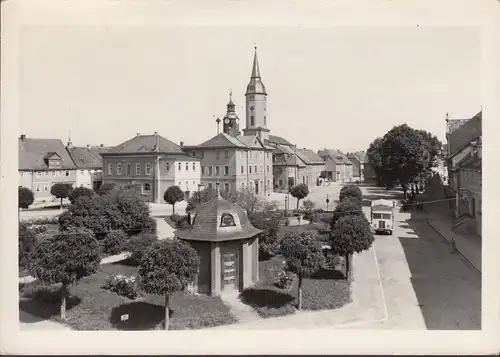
(152, 164)
(88, 161)
(288, 168)
(43, 163)
(338, 165)
(235, 161)
(314, 166)
(358, 160)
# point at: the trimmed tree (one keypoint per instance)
(304, 257)
(348, 206)
(26, 243)
(172, 195)
(350, 191)
(61, 190)
(106, 188)
(299, 191)
(26, 197)
(80, 192)
(168, 267)
(65, 258)
(138, 245)
(351, 234)
(269, 240)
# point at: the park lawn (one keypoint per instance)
(326, 290)
(90, 307)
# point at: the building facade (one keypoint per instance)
(43, 163)
(358, 160)
(88, 162)
(151, 164)
(337, 165)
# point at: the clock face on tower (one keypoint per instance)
(226, 121)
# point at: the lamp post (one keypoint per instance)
(286, 204)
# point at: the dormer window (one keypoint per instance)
(53, 160)
(227, 220)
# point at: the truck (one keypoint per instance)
(382, 216)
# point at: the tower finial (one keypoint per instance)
(255, 67)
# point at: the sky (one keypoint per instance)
(337, 87)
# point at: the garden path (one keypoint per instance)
(243, 312)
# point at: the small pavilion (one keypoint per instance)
(227, 246)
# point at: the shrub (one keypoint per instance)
(113, 242)
(66, 221)
(106, 188)
(43, 221)
(80, 192)
(134, 213)
(61, 190)
(167, 267)
(284, 280)
(26, 197)
(149, 225)
(348, 206)
(308, 205)
(137, 245)
(38, 229)
(269, 240)
(122, 285)
(172, 195)
(350, 191)
(65, 258)
(26, 243)
(299, 191)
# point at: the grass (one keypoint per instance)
(90, 307)
(327, 289)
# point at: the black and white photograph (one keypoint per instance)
(176, 174)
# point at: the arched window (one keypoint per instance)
(227, 220)
(119, 169)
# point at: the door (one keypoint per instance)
(256, 187)
(229, 271)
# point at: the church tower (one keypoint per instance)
(256, 104)
(230, 123)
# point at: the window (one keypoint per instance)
(252, 120)
(217, 154)
(146, 187)
(249, 169)
(260, 168)
(216, 170)
(267, 155)
(250, 154)
(210, 171)
(265, 120)
(255, 167)
(67, 173)
(38, 187)
(167, 166)
(209, 185)
(267, 168)
(226, 187)
(241, 152)
(202, 154)
(280, 183)
(226, 154)
(179, 166)
(194, 153)
(226, 170)
(148, 168)
(138, 169)
(187, 166)
(38, 174)
(242, 169)
(203, 170)
(243, 185)
(129, 169)
(194, 166)
(46, 187)
(267, 184)
(119, 169)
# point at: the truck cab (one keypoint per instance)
(382, 216)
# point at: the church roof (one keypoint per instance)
(218, 220)
(145, 144)
(255, 86)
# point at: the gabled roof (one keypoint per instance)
(145, 144)
(309, 157)
(273, 139)
(219, 141)
(282, 159)
(35, 153)
(338, 157)
(359, 156)
(465, 133)
(250, 141)
(88, 157)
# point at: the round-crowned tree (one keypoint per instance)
(304, 257)
(61, 190)
(299, 191)
(350, 191)
(351, 234)
(26, 197)
(138, 245)
(172, 195)
(269, 239)
(167, 267)
(348, 206)
(80, 192)
(65, 258)
(113, 242)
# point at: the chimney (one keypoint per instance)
(23, 137)
(182, 143)
(138, 134)
(88, 145)
(102, 145)
(155, 133)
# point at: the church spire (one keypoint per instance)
(255, 68)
